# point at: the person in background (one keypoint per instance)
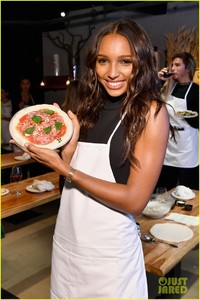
(181, 165)
(111, 165)
(24, 98)
(6, 114)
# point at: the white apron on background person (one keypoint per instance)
(184, 152)
(97, 252)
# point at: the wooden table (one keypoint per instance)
(12, 204)
(161, 258)
(9, 161)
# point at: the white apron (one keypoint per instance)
(184, 152)
(97, 252)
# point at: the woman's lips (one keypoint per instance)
(114, 85)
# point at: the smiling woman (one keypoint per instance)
(112, 155)
(114, 64)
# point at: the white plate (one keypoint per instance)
(22, 157)
(29, 188)
(183, 198)
(4, 192)
(193, 114)
(56, 143)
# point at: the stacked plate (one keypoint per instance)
(182, 192)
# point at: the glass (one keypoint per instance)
(163, 196)
(167, 74)
(16, 176)
(161, 191)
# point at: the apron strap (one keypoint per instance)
(115, 129)
(188, 90)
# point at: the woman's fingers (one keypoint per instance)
(75, 121)
(43, 155)
(23, 148)
(28, 148)
(56, 104)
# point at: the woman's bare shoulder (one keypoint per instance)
(157, 119)
(157, 109)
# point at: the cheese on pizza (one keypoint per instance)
(41, 127)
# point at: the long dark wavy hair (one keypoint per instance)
(143, 86)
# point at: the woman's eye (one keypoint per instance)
(126, 61)
(102, 60)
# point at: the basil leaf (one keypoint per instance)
(29, 130)
(48, 111)
(36, 119)
(58, 125)
(47, 130)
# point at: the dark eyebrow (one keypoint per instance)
(121, 56)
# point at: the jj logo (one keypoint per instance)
(172, 285)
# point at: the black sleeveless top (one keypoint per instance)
(101, 132)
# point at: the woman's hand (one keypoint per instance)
(44, 156)
(68, 150)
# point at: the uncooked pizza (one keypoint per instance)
(171, 232)
(42, 125)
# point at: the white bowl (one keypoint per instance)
(156, 209)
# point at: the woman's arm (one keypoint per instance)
(133, 196)
(150, 151)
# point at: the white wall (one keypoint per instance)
(179, 14)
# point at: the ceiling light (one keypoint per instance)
(62, 14)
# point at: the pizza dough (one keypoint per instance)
(43, 185)
(171, 232)
(184, 219)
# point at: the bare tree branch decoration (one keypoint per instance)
(72, 47)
